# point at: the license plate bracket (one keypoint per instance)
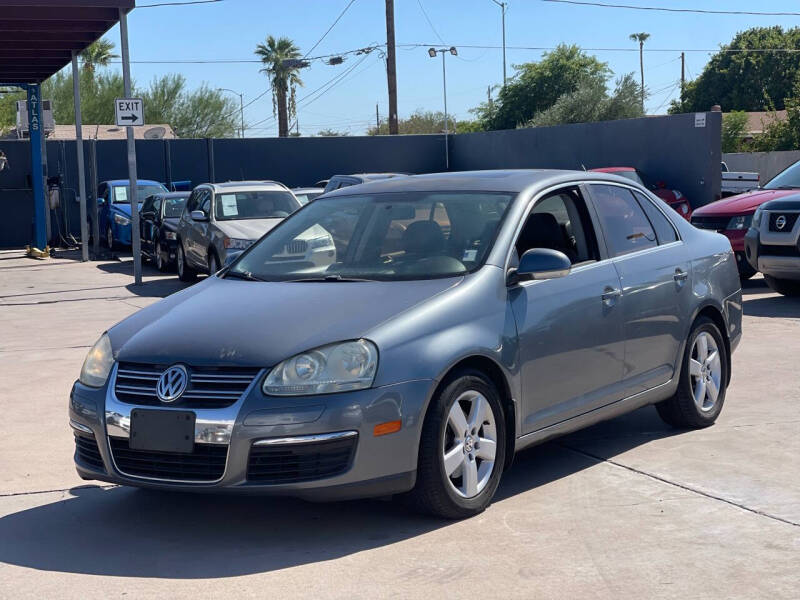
(162, 430)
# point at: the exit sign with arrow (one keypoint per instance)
(129, 112)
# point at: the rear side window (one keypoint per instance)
(624, 223)
(664, 229)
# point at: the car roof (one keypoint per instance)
(307, 190)
(241, 186)
(173, 194)
(372, 176)
(117, 182)
(509, 180)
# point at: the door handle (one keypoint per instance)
(610, 295)
(680, 276)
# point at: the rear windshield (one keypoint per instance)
(173, 207)
(254, 205)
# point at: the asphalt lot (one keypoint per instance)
(626, 509)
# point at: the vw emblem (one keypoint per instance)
(172, 383)
(780, 222)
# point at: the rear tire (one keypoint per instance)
(703, 381)
(787, 287)
(746, 271)
(462, 448)
(185, 272)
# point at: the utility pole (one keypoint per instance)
(683, 77)
(377, 120)
(391, 67)
(502, 6)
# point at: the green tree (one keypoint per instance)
(332, 133)
(283, 78)
(734, 125)
(782, 134)
(641, 38)
(99, 54)
(592, 102)
(426, 121)
(738, 79)
(536, 86)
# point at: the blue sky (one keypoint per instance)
(232, 28)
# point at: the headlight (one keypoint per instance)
(740, 222)
(98, 363)
(170, 235)
(237, 244)
(757, 218)
(320, 242)
(335, 368)
(120, 220)
(684, 209)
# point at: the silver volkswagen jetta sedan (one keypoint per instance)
(460, 318)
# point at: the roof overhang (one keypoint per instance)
(37, 37)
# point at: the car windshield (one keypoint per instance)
(632, 175)
(173, 207)
(386, 237)
(142, 192)
(254, 205)
(788, 178)
(305, 197)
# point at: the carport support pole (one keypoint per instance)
(37, 169)
(132, 183)
(76, 93)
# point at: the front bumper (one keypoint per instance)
(782, 265)
(378, 465)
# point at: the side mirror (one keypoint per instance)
(198, 215)
(543, 263)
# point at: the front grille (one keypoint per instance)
(715, 223)
(209, 387)
(292, 463)
(296, 247)
(776, 250)
(206, 463)
(791, 219)
(87, 453)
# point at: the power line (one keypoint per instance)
(676, 10)
(187, 3)
(319, 41)
(427, 18)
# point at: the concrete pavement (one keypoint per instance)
(626, 509)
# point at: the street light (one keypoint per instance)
(241, 107)
(432, 52)
(502, 6)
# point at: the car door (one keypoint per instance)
(102, 207)
(653, 266)
(198, 235)
(571, 343)
(146, 225)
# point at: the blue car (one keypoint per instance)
(114, 208)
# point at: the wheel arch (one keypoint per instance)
(496, 374)
(715, 313)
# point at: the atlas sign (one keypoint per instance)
(129, 112)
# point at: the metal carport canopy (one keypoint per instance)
(37, 37)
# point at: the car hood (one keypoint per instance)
(247, 229)
(741, 204)
(248, 323)
(124, 207)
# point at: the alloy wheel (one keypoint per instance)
(110, 237)
(705, 370)
(470, 444)
(159, 257)
(181, 261)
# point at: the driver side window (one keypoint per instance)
(560, 222)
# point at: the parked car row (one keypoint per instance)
(407, 336)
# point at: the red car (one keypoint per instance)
(733, 216)
(674, 198)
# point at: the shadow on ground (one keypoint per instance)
(773, 306)
(137, 533)
(156, 285)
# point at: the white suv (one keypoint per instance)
(221, 220)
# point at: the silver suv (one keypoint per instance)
(222, 219)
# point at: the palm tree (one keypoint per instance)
(99, 54)
(283, 76)
(641, 38)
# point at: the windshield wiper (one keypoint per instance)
(246, 275)
(785, 187)
(326, 278)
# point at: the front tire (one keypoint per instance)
(786, 287)
(701, 390)
(185, 272)
(462, 449)
(110, 237)
(213, 263)
(161, 262)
